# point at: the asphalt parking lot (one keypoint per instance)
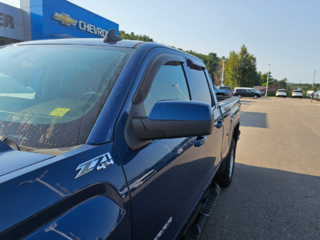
(275, 192)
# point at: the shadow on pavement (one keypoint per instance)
(254, 119)
(264, 203)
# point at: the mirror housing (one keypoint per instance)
(175, 119)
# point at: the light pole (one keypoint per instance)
(267, 82)
(222, 72)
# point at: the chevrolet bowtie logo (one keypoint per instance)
(65, 19)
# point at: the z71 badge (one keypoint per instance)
(103, 161)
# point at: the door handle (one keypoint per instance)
(219, 124)
(200, 140)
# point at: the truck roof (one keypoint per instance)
(99, 42)
(83, 41)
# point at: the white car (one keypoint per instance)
(309, 93)
(297, 93)
(281, 93)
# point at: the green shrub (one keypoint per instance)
(271, 94)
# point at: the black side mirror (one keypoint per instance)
(174, 119)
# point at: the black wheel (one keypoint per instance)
(239, 95)
(300, 97)
(255, 97)
(225, 174)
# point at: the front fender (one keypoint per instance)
(92, 219)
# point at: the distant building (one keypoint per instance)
(50, 19)
(263, 89)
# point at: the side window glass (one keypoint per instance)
(169, 84)
(202, 86)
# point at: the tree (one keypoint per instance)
(132, 36)
(241, 69)
(264, 78)
(232, 70)
(257, 79)
(283, 83)
(247, 67)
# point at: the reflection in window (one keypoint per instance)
(202, 86)
(170, 84)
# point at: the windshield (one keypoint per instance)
(225, 88)
(51, 96)
(281, 90)
(297, 91)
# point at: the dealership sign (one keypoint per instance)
(66, 20)
(92, 29)
(6, 20)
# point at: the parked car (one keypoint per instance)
(281, 93)
(246, 92)
(225, 88)
(309, 93)
(221, 93)
(126, 155)
(316, 95)
(297, 93)
(255, 90)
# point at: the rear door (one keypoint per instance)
(165, 177)
(243, 92)
(205, 93)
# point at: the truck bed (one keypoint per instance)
(227, 100)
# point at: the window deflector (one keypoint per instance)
(152, 69)
(195, 65)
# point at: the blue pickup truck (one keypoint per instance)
(110, 139)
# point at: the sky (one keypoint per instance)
(282, 33)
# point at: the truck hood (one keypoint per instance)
(12, 160)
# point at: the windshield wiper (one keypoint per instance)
(10, 143)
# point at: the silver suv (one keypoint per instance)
(297, 93)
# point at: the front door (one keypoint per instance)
(166, 177)
(249, 93)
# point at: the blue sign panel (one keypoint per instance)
(49, 19)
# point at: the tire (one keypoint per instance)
(255, 97)
(225, 175)
(300, 97)
(239, 95)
